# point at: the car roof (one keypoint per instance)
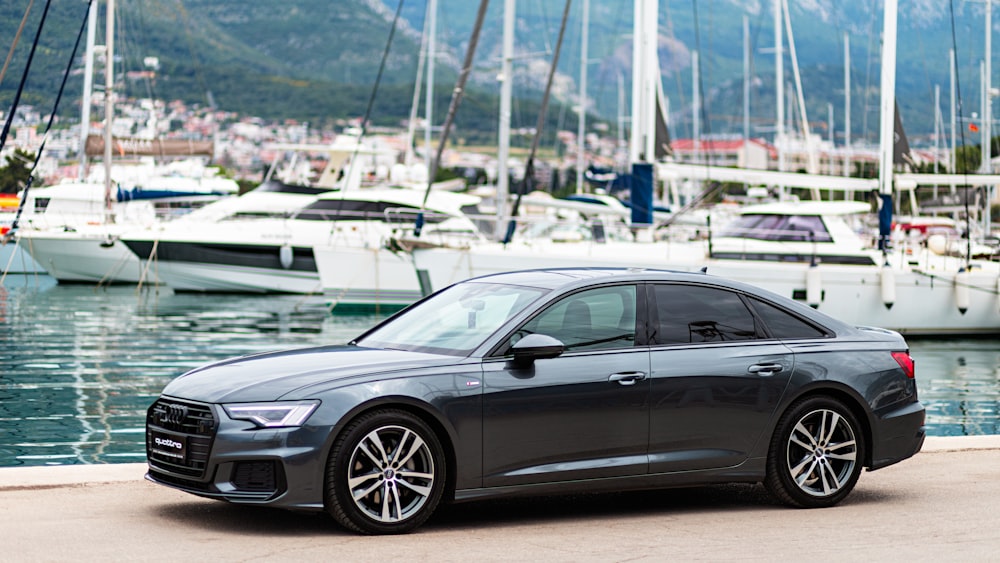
(558, 278)
(567, 279)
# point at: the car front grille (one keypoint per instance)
(191, 426)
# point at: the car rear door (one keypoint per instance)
(582, 415)
(717, 377)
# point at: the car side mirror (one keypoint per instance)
(536, 347)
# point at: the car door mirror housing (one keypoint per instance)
(536, 347)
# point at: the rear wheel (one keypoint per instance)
(386, 473)
(816, 454)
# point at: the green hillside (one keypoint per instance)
(316, 60)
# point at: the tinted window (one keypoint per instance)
(356, 210)
(779, 228)
(689, 313)
(784, 325)
(596, 319)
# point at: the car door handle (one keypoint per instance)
(765, 369)
(628, 377)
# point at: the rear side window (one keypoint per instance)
(691, 314)
(784, 325)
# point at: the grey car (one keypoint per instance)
(541, 382)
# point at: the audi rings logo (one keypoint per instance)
(173, 414)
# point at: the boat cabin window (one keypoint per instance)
(789, 228)
(363, 210)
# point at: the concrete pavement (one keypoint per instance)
(941, 505)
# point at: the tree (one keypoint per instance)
(14, 176)
(968, 158)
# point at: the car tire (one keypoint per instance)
(386, 473)
(816, 454)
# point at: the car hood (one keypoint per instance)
(275, 375)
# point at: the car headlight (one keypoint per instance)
(274, 414)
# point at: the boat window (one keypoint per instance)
(784, 325)
(281, 187)
(801, 228)
(690, 314)
(363, 210)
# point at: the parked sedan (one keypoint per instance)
(546, 381)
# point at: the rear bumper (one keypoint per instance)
(897, 435)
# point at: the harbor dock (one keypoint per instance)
(940, 505)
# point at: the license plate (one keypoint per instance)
(169, 445)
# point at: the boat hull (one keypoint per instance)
(367, 277)
(193, 266)
(81, 257)
(16, 260)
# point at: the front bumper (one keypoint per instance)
(234, 460)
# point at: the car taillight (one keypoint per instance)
(905, 361)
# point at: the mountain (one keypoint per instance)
(317, 60)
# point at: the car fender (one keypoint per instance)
(450, 402)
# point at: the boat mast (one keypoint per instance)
(746, 81)
(582, 116)
(645, 69)
(847, 105)
(411, 126)
(88, 86)
(696, 106)
(109, 84)
(812, 165)
(887, 121)
(988, 94)
(506, 93)
(429, 100)
(779, 85)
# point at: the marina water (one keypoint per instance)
(79, 365)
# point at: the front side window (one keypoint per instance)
(596, 319)
(691, 314)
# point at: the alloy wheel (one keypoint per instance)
(822, 453)
(391, 474)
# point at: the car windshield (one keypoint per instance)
(455, 321)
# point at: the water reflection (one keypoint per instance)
(79, 366)
(959, 383)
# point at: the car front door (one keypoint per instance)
(582, 415)
(717, 378)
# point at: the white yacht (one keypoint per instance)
(13, 258)
(276, 254)
(71, 232)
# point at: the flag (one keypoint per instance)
(900, 145)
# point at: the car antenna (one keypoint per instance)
(704, 269)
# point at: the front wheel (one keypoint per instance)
(386, 473)
(816, 454)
